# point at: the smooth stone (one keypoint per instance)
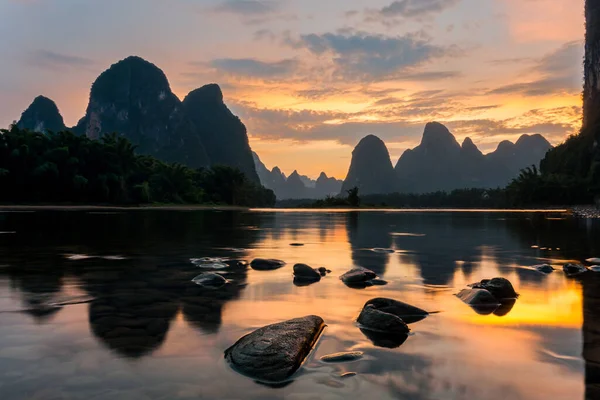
(409, 314)
(500, 288)
(275, 352)
(213, 266)
(478, 297)
(379, 282)
(296, 244)
(206, 260)
(544, 268)
(322, 271)
(262, 264)
(343, 357)
(210, 280)
(348, 375)
(595, 261)
(373, 319)
(303, 271)
(574, 269)
(358, 275)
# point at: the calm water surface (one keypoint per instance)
(100, 305)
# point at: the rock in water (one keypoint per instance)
(358, 275)
(544, 268)
(408, 313)
(343, 357)
(500, 288)
(261, 264)
(574, 269)
(322, 271)
(210, 280)
(377, 320)
(478, 297)
(305, 272)
(594, 261)
(274, 353)
(379, 282)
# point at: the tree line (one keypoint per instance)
(62, 167)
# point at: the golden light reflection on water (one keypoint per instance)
(532, 352)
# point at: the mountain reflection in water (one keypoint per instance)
(134, 325)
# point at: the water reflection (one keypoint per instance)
(145, 307)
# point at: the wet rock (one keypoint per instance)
(306, 272)
(500, 288)
(275, 352)
(594, 261)
(343, 357)
(574, 269)
(544, 268)
(296, 244)
(478, 297)
(358, 275)
(374, 319)
(348, 375)
(323, 271)
(210, 280)
(409, 314)
(262, 264)
(379, 282)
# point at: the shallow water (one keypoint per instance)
(102, 306)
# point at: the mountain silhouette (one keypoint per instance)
(134, 98)
(296, 186)
(222, 133)
(371, 169)
(439, 163)
(42, 116)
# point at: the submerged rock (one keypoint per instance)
(343, 357)
(306, 272)
(375, 319)
(358, 275)
(347, 375)
(594, 261)
(574, 269)
(262, 264)
(478, 297)
(296, 244)
(500, 288)
(275, 352)
(505, 307)
(409, 314)
(323, 271)
(385, 340)
(210, 280)
(544, 268)
(383, 251)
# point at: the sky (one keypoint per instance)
(310, 78)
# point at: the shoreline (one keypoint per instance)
(88, 207)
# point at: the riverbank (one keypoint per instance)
(166, 207)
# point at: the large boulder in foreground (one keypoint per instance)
(500, 288)
(406, 312)
(274, 353)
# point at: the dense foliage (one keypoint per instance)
(65, 168)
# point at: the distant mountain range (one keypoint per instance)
(440, 163)
(133, 98)
(296, 186)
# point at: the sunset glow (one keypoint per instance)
(308, 85)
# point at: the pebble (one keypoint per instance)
(343, 357)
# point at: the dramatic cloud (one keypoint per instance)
(362, 55)
(247, 7)
(56, 61)
(254, 68)
(560, 72)
(416, 8)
